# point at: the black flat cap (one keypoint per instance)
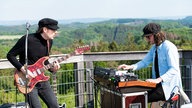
(49, 23)
(151, 28)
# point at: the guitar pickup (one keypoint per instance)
(21, 82)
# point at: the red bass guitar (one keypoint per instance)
(26, 85)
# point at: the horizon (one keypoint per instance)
(81, 20)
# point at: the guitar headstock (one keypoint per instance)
(82, 49)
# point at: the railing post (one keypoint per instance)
(79, 85)
(89, 84)
(187, 72)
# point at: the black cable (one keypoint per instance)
(96, 83)
(170, 101)
(16, 95)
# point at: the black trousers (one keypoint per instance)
(156, 94)
(45, 92)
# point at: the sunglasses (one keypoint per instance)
(148, 36)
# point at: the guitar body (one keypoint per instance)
(20, 78)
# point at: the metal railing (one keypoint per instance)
(75, 87)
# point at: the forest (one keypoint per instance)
(108, 35)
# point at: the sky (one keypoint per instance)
(77, 9)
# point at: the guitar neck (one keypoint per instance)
(63, 58)
(59, 60)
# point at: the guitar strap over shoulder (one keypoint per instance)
(48, 47)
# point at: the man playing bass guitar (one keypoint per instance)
(39, 45)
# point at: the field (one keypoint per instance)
(9, 37)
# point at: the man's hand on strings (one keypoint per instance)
(55, 67)
(27, 72)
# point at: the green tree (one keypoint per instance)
(113, 46)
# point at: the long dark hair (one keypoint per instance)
(39, 30)
(159, 38)
(155, 30)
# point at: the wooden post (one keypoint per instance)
(79, 85)
(89, 84)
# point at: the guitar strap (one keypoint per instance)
(48, 47)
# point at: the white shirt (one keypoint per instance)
(168, 61)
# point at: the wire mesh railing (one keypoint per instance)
(65, 86)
